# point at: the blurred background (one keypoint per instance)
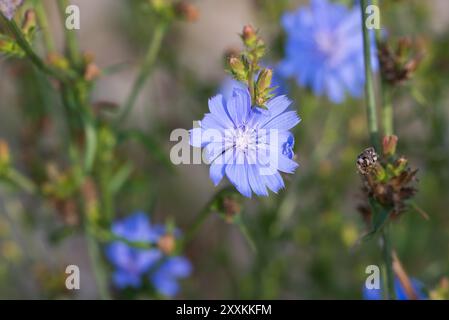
(307, 235)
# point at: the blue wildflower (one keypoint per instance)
(248, 144)
(131, 264)
(166, 276)
(377, 294)
(324, 49)
(8, 7)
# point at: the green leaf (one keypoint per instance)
(380, 217)
(91, 146)
(119, 178)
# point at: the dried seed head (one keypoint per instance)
(367, 160)
(398, 64)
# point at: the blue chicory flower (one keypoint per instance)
(249, 145)
(377, 294)
(324, 49)
(8, 7)
(131, 264)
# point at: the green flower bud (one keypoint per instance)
(29, 23)
(238, 68)
(264, 80)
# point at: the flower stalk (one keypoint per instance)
(145, 70)
(375, 141)
(369, 82)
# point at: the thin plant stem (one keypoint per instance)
(34, 58)
(387, 111)
(97, 264)
(388, 259)
(72, 46)
(387, 106)
(374, 136)
(244, 230)
(199, 221)
(145, 70)
(251, 85)
(202, 217)
(369, 82)
(22, 182)
(44, 27)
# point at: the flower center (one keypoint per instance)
(325, 42)
(244, 139)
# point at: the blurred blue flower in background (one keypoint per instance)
(165, 278)
(377, 294)
(324, 49)
(132, 263)
(9, 7)
(253, 144)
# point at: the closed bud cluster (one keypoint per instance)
(238, 68)
(263, 87)
(390, 180)
(255, 46)
(398, 63)
(249, 36)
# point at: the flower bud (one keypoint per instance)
(231, 208)
(92, 72)
(4, 155)
(389, 144)
(249, 35)
(167, 243)
(29, 23)
(237, 68)
(401, 164)
(58, 61)
(264, 81)
(187, 11)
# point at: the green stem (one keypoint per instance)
(388, 260)
(43, 23)
(202, 216)
(35, 59)
(199, 220)
(145, 70)
(387, 106)
(21, 181)
(251, 85)
(244, 230)
(369, 82)
(97, 264)
(72, 46)
(387, 111)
